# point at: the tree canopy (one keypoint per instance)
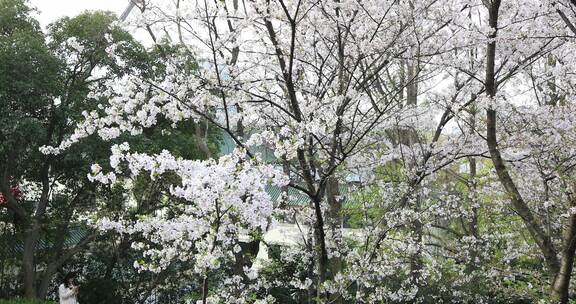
(414, 151)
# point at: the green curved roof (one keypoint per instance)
(12, 246)
(296, 197)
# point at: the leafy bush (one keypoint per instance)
(99, 290)
(24, 301)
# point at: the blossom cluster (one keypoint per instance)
(16, 193)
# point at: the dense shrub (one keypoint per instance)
(24, 301)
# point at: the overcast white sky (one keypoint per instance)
(51, 10)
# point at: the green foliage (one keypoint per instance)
(24, 301)
(28, 80)
(99, 290)
(96, 31)
(62, 70)
(15, 15)
(281, 272)
(361, 205)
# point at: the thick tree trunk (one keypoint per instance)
(32, 231)
(335, 225)
(28, 261)
(412, 85)
(561, 282)
(47, 277)
(243, 257)
(320, 249)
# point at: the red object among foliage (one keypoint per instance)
(15, 192)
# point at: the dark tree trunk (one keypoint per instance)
(561, 282)
(28, 260)
(320, 247)
(243, 258)
(47, 277)
(334, 224)
(559, 269)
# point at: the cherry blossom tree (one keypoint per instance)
(383, 97)
(542, 157)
